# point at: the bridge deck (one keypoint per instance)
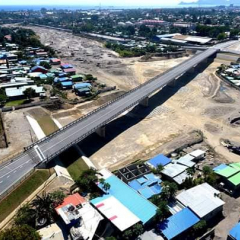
(56, 143)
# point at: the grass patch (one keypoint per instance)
(15, 103)
(12, 201)
(47, 124)
(74, 164)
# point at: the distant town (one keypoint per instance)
(120, 124)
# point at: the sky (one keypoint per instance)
(95, 2)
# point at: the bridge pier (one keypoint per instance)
(144, 102)
(172, 83)
(101, 132)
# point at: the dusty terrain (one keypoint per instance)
(201, 102)
(91, 57)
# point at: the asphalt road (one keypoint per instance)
(20, 166)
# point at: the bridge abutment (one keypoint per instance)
(101, 131)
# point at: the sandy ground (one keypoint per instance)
(204, 103)
(19, 132)
(91, 57)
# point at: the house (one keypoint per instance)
(67, 85)
(55, 61)
(51, 232)
(121, 204)
(17, 93)
(178, 224)
(234, 233)
(147, 185)
(38, 69)
(158, 160)
(79, 216)
(198, 154)
(70, 71)
(203, 200)
(61, 79)
(82, 85)
(175, 172)
(77, 78)
(186, 160)
(66, 65)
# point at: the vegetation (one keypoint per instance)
(19, 233)
(169, 190)
(15, 198)
(3, 97)
(162, 211)
(158, 169)
(133, 232)
(42, 207)
(214, 32)
(200, 227)
(45, 65)
(87, 180)
(29, 93)
(15, 103)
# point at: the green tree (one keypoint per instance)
(87, 180)
(57, 198)
(128, 234)
(22, 232)
(29, 93)
(169, 190)
(162, 211)
(221, 36)
(137, 229)
(45, 65)
(206, 170)
(200, 227)
(190, 171)
(3, 97)
(106, 186)
(26, 215)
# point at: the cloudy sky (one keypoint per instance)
(95, 2)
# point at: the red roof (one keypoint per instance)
(67, 70)
(74, 199)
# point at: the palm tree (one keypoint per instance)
(43, 205)
(106, 186)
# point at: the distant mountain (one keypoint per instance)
(212, 2)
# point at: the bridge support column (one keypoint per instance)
(101, 131)
(172, 83)
(144, 102)
(192, 70)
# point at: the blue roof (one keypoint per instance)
(159, 160)
(138, 205)
(82, 85)
(148, 185)
(220, 167)
(67, 66)
(178, 223)
(63, 79)
(66, 84)
(235, 232)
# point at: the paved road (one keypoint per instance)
(53, 145)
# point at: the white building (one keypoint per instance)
(203, 200)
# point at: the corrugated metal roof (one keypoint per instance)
(116, 212)
(227, 172)
(159, 160)
(201, 199)
(181, 177)
(235, 165)
(82, 85)
(186, 160)
(197, 153)
(220, 167)
(173, 170)
(137, 204)
(235, 179)
(68, 83)
(178, 223)
(235, 232)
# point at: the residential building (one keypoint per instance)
(122, 205)
(158, 160)
(51, 232)
(178, 224)
(203, 200)
(234, 233)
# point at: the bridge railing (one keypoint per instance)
(103, 106)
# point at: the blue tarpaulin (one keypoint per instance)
(235, 232)
(220, 167)
(178, 223)
(159, 160)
